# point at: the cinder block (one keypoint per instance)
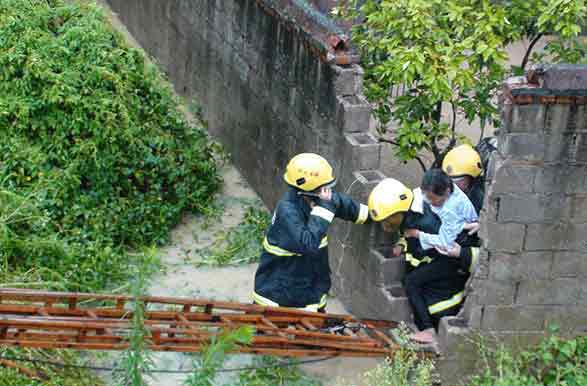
(529, 147)
(362, 151)
(569, 264)
(532, 208)
(364, 181)
(493, 292)
(525, 118)
(561, 178)
(561, 147)
(512, 177)
(348, 80)
(472, 313)
(580, 118)
(389, 307)
(454, 336)
(353, 113)
(578, 209)
(581, 148)
(572, 320)
(564, 291)
(556, 236)
(383, 271)
(523, 266)
(557, 118)
(503, 237)
(515, 318)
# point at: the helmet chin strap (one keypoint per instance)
(308, 194)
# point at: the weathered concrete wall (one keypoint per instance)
(267, 78)
(533, 268)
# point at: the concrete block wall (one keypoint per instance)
(533, 267)
(273, 82)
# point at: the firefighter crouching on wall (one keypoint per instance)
(435, 282)
(294, 269)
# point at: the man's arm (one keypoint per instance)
(451, 226)
(349, 209)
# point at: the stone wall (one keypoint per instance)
(274, 81)
(533, 268)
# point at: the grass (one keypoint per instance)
(240, 245)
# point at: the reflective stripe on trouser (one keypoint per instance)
(446, 304)
(263, 301)
(278, 251)
(431, 290)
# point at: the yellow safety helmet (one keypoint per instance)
(388, 198)
(308, 172)
(462, 161)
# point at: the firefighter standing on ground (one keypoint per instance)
(294, 269)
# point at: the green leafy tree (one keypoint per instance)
(559, 20)
(426, 58)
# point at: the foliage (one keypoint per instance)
(558, 20)
(214, 355)
(34, 255)
(271, 371)
(554, 361)
(137, 362)
(404, 369)
(54, 376)
(95, 158)
(447, 59)
(241, 244)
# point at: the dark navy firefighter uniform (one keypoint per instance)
(294, 269)
(434, 282)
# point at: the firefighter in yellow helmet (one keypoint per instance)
(294, 269)
(434, 282)
(463, 165)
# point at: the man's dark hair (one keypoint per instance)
(437, 182)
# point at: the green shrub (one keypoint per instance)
(95, 157)
(554, 361)
(53, 376)
(275, 372)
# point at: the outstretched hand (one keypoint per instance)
(397, 250)
(472, 227)
(454, 250)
